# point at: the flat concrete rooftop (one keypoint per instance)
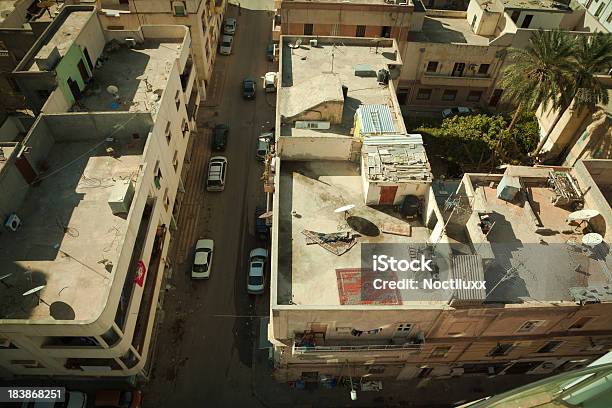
(367, 2)
(308, 80)
(309, 193)
(65, 35)
(140, 74)
(535, 263)
(448, 30)
(68, 234)
(545, 5)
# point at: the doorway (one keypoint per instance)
(74, 88)
(83, 71)
(387, 195)
(458, 69)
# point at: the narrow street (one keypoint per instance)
(203, 352)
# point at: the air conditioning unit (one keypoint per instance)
(313, 43)
(311, 124)
(13, 222)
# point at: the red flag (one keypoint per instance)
(141, 270)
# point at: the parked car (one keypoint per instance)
(217, 169)
(202, 262)
(73, 399)
(219, 137)
(459, 110)
(261, 226)
(270, 51)
(229, 26)
(257, 263)
(118, 399)
(248, 88)
(263, 145)
(269, 82)
(226, 45)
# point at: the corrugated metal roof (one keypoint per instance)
(396, 158)
(468, 268)
(375, 119)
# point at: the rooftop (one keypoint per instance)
(448, 30)
(69, 238)
(140, 74)
(309, 80)
(6, 150)
(32, 13)
(543, 5)
(63, 38)
(400, 3)
(397, 158)
(309, 194)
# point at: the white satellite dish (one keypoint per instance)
(34, 290)
(267, 214)
(592, 239)
(345, 208)
(113, 90)
(582, 215)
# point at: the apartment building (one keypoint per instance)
(203, 17)
(89, 197)
(349, 180)
(599, 14)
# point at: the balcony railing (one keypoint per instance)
(356, 348)
(470, 76)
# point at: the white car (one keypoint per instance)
(229, 26)
(459, 110)
(257, 264)
(217, 168)
(269, 84)
(226, 45)
(202, 262)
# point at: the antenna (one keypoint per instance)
(34, 291)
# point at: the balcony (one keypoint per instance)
(471, 80)
(276, 28)
(188, 77)
(306, 345)
(216, 6)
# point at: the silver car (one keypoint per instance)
(226, 45)
(257, 264)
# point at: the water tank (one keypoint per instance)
(410, 206)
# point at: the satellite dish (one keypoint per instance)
(298, 43)
(36, 289)
(112, 89)
(582, 215)
(592, 239)
(267, 214)
(345, 208)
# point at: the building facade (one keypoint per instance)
(91, 194)
(599, 14)
(203, 17)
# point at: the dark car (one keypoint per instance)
(248, 88)
(261, 226)
(270, 52)
(219, 139)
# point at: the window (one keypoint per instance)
(440, 352)
(458, 69)
(402, 96)
(483, 69)
(496, 97)
(157, 175)
(307, 29)
(175, 160)
(550, 346)
(474, 22)
(501, 350)
(515, 15)
(403, 327)
(168, 133)
(579, 324)
(432, 66)
(423, 94)
(474, 96)
(599, 9)
(385, 32)
(376, 370)
(527, 21)
(425, 371)
(609, 19)
(166, 199)
(360, 31)
(588, 4)
(529, 326)
(179, 8)
(449, 95)
(185, 127)
(115, 27)
(177, 99)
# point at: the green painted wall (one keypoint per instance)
(68, 68)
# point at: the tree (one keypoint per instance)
(592, 55)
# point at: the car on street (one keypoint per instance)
(226, 45)
(269, 82)
(229, 26)
(263, 145)
(219, 137)
(248, 88)
(118, 399)
(217, 169)
(270, 51)
(202, 262)
(261, 225)
(257, 263)
(457, 111)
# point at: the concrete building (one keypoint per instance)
(341, 142)
(599, 14)
(203, 17)
(90, 197)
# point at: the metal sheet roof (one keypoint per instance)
(468, 268)
(375, 119)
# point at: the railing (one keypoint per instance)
(355, 348)
(471, 76)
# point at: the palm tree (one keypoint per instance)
(539, 74)
(592, 56)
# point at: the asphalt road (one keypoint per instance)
(204, 345)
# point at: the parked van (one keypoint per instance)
(217, 169)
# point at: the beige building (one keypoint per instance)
(341, 141)
(90, 197)
(203, 17)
